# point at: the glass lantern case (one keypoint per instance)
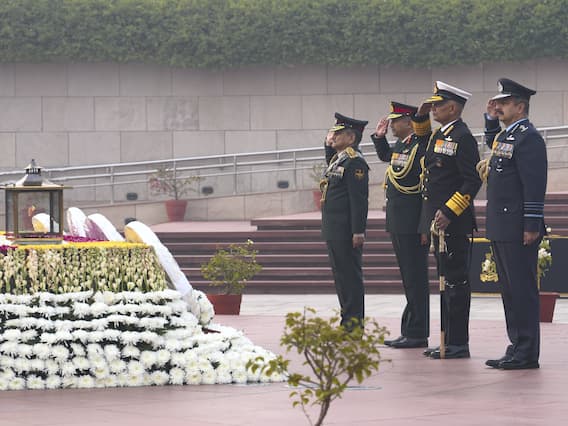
(34, 209)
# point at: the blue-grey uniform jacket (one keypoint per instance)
(516, 184)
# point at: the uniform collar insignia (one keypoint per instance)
(510, 138)
(523, 128)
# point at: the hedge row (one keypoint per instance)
(229, 33)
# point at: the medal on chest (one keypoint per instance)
(446, 147)
(502, 149)
(399, 159)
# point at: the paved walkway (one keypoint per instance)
(410, 390)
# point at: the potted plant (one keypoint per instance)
(230, 268)
(547, 299)
(166, 181)
(316, 174)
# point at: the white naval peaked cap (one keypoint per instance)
(444, 91)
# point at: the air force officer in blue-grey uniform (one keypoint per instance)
(516, 185)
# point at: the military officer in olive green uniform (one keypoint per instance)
(451, 183)
(403, 205)
(345, 190)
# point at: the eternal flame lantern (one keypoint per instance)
(30, 201)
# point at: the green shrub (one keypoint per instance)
(232, 33)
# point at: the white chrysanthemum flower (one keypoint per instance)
(17, 383)
(12, 334)
(51, 367)
(173, 345)
(63, 336)
(96, 336)
(112, 352)
(135, 368)
(53, 382)
(44, 324)
(81, 310)
(134, 380)
(28, 335)
(84, 382)
(98, 309)
(37, 365)
(22, 364)
(130, 337)
(148, 358)
(193, 377)
(81, 335)
(240, 376)
(178, 359)
(177, 376)
(94, 349)
(60, 352)
(100, 382)
(68, 369)
(160, 378)
(99, 324)
(69, 382)
(113, 335)
(162, 356)
(81, 363)
(131, 352)
(6, 362)
(216, 357)
(117, 366)
(209, 377)
(82, 325)
(100, 369)
(147, 379)
(25, 351)
(78, 349)
(61, 311)
(110, 381)
(35, 382)
(149, 337)
(48, 338)
(224, 377)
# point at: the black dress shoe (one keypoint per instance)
(429, 351)
(410, 342)
(494, 363)
(452, 352)
(391, 341)
(515, 364)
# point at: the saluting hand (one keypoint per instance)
(382, 127)
(492, 109)
(424, 109)
(329, 138)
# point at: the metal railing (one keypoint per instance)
(231, 174)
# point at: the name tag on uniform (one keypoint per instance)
(502, 149)
(399, 160)
(445, 147)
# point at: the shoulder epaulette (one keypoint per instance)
(351, 153)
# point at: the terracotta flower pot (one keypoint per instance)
(317, 199)
(226, 304)
(175, 209)
(547, 304)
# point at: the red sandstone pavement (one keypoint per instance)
(410, 390)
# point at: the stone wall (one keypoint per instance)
(83, 114)
(76, 114)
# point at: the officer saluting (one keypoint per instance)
(516, 187)
(403, 205)
(451, 183)
(345, 190)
